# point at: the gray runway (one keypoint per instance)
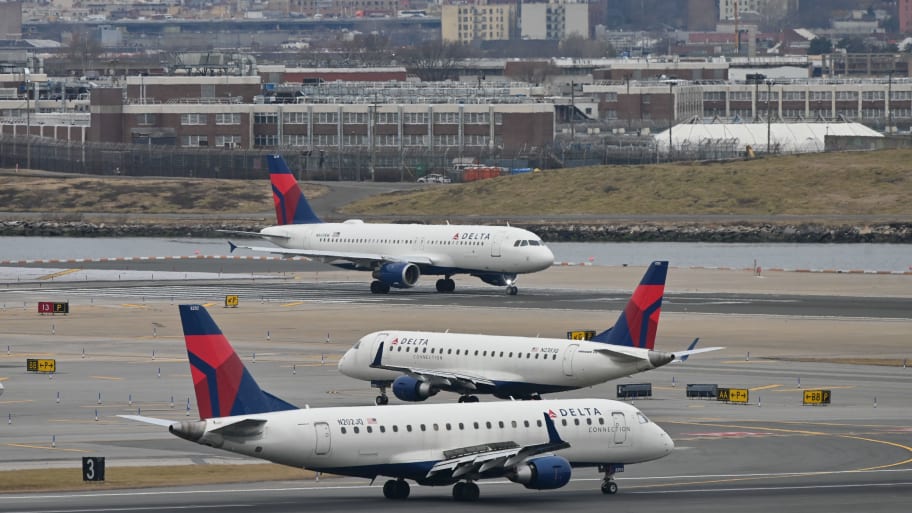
(854, 455)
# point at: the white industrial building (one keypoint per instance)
(783, 137)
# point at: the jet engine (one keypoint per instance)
(408, 388)
(398, 274)
(545, 473)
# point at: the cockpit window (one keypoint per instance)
(534, 243)
(358, 343)
(642, 418)
(516, 243)
(524, 243)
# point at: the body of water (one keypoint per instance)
(880, 257)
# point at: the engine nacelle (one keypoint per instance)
(398, 274)
(408, 388)
(545, 473)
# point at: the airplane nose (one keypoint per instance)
(545, 258)
(345, 362)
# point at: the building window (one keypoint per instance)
(265, 118)
(227, 141)
(145, 119)
(387, 118)
(191, 141)
(327, 118)
(296, 140)
(193, 119)
(294, 118)
(326, 140)
(355, 118)
(266, 140)
(228, 118)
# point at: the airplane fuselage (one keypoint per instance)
(407, 440)
(518, 366)
(436, 249)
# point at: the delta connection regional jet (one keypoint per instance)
(417, 365)
(534, 443)
(398, 254)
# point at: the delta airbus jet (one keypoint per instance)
(535, 444)
(417, 365)
(398, 254)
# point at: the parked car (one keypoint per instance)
(434, 178)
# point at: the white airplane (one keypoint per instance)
(398, 254)
(419, 364)
(531, 443)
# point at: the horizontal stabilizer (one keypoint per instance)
(148, 420)
(247, 428)
(682, 356)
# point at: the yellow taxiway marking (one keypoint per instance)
(58, 274)
(293, 303)
(132, 305)
(110, 378)
(26, 446)
(207, 305)
(796, 389)
(18, 401)
(765, 387)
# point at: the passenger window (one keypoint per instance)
(564, 422)
(449, 351)
(536, 356)
(370, 429)
(500, 424)
(484, 353)
(449, 427)
(538, 423)
(588, 421)
(461, 426)
(424, 350)
(395, 429)
(501, 354)
(513, 424)
(343, 430)
(408, 428)
(488, 425)
(436, 427)
(423, 427)
(355, 430)
(476, 352)
(526, 423)
(511, 354)
(576, 422)
(476, 425)
(601, 421)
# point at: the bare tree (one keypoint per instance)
(433, 60)
(577, 46)
(84, 49)
(533, 72)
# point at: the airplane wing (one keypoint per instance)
(453, 380)
(364, 259)
(495, 458)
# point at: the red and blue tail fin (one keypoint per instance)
(638, 323)
(290, 204)
(223, 385)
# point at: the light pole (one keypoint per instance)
(769, 94)
(888, 102)
(28, 120)
(671, 117)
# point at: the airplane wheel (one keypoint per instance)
(441, 285)
(462, 399)
(379, 287)
(450, 285)
(402, 489)
(471, 399)
(458, 490)
(382, 400)
(609, 488)
(389, 489)
(470, 492)
(512, 290)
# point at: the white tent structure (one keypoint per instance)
(783, 137)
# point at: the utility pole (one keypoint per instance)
(572, 109)
(671, 117)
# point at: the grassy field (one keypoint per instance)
(873, 183)
(860, 183)
(141, 477)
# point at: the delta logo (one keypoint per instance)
(409, 341)
(574, 412)
(472, 236)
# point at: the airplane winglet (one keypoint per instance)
(232, 245)
(553, 436)
(690, 348)
(377, 359)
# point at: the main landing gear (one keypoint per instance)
(468, 398)
(397, 489)
(609, 486)
(466, 492)
(511, 290)
(446, 285)
(382, 399)
(379, 287)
